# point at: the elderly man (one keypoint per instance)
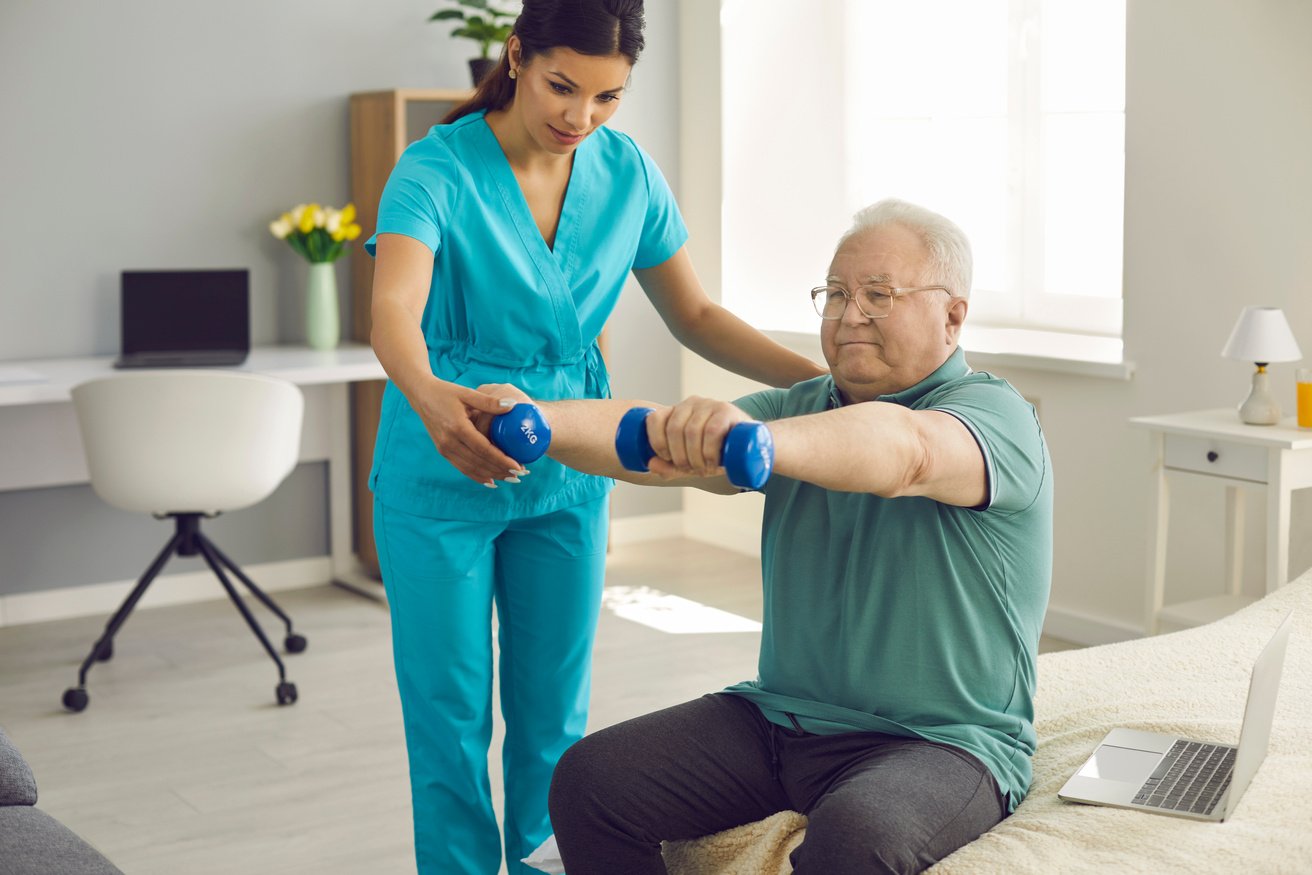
(906, 557)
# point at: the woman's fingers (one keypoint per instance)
(453, 424)
(475, 457)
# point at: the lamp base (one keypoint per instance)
(1260, 407)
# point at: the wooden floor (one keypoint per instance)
(184, 763)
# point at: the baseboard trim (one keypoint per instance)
(648, 527)
(167, 589)
(1086, 629)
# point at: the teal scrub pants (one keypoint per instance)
(442, 577)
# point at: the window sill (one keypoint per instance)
(1056, 351)
(1028, 349)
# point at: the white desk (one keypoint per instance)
(1215, 445)
(42, 446)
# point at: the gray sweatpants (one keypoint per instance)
(874, 802)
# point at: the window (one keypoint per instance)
(1007, 116)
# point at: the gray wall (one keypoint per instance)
(150, 133)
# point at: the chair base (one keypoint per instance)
(188, 540)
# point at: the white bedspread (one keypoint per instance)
(1191, 683)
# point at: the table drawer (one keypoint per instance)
(1216, 457)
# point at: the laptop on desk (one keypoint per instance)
(184, 318)
(1163, 774)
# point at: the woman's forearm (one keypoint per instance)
(723, 339)
(713, 332)
(398, 341)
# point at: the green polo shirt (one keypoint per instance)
(904, 615)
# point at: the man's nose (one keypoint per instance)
(852, 314)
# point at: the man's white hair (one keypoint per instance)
(949, 262)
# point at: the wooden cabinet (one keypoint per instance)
(383, 123)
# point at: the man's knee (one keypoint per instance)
(583, 777)
(848, 834)
(846, 838)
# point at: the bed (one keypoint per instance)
(1192, 683)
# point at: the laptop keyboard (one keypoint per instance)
(1192, 777)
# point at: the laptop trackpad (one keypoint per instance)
(1121, 764)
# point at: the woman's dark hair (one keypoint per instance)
(589, 27)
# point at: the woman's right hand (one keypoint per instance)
(449, 413)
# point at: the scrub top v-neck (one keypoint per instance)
(504, 307)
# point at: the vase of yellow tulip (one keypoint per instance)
(319, 234)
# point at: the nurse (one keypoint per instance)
(504, 237)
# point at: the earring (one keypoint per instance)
(513, 74)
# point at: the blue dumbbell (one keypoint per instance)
(747, 454)
(522, 433)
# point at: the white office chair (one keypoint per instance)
(186, 445)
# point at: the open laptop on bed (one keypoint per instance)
(184, 318)
(1164, 774)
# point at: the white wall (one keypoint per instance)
(1218, 216)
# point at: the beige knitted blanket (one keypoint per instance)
(1193, 683)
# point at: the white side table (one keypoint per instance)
(1215, 445)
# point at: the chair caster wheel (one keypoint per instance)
(295, 643)
(106, 652)
(76, 698)
(286, 693)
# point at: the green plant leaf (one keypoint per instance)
(473, 4)
(447, 15)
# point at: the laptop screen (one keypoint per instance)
(185, 310)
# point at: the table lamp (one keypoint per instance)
(1261, 336)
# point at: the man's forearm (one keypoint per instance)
(583, 437)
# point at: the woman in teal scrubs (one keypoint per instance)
(503, 240)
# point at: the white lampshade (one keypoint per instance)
(1262, 335)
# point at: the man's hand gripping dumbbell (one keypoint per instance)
(695, 442)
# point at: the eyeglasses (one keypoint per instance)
(874, 302)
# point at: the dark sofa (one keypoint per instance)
(31, 841)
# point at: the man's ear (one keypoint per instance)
(956, 317)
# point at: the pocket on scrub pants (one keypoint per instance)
(422, 548)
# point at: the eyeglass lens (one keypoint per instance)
(872, 301)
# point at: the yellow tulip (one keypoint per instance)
(348, 214)
(308, 218)
(352, 231)
(338, 235)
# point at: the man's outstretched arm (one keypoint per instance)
(583, 437)
(880, 448)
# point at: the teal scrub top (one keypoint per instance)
(504, 307)
(904, 615)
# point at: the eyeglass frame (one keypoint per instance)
(893, 293)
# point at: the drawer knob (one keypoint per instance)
(1213, 455)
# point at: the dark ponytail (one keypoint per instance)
(589, 27)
